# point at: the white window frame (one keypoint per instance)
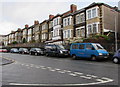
(96, 15)
(97, 31)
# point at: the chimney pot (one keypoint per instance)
(51, 16)
(36, 22)
(73, 8)
(26, 26)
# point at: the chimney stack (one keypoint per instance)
(26, 26)
(36, 22)
(19, 29)
(73, 8)
(12, 31)
(51, 16)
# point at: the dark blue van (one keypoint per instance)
(88, 50)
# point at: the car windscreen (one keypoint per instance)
(38, 49)
(60, 47)
(98, 47)
(25, 49)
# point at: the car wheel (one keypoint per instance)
(116, 60)
(36, 54)
(93, 58)
(22, 52)
(74, 56)
(46, 54)
(30, 53)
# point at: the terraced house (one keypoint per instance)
(100, 18)
(95, 19)
(18, 36)
(80, 24)
(25, 34)
(44, 31)
(30, 34)
(36, 31)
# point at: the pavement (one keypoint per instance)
(5, 61)
(41, 71)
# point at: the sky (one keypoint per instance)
(16, 13)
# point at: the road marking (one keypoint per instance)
(78, 73)
(72, 74)
(57, 69)
(93, 83)
(85, 77)
(61, 71)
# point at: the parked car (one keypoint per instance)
(88, 50)
(36, 51)
(14, 50)
(3, 50)
(56, 50)
(116, 57)
(23, 50)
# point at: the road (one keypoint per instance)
(52, 71)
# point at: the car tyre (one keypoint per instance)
(46, 54)
(116, 60)
(74, 57)
(36, 54)
(93, 58)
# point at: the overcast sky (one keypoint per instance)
(17, 13)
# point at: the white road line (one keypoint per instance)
(85, 77)
(37, 67)
(72, 74)
(78, 73)
(93, 83)
(61, 72)
(57, 69)
(43, 68)
(67, 71)
(52, 70)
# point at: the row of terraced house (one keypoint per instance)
(97, 18)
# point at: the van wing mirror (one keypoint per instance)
(93, 48)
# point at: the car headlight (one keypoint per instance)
(100, 54)
(61, 51)
(38, 51)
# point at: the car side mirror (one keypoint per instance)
(93, 48)
(119, 51)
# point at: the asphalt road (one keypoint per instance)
(53, 71)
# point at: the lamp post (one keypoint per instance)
(115, 20)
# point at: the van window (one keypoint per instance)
(75, 46)
(88, 46)
(81, 46)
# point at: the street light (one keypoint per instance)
(116, 47)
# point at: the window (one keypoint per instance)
(82, 32)
(78, 32)
(94, 28)
(68, 21)
(94, 12)
(65, 22)
(75, 47)
(82, 18)
(81, 46)
(65, 34)
(89, 14)
(89, 29)
(89, 46)
(77, 19)
(68, 33)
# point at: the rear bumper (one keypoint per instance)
(62, 54)
(102, 57)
